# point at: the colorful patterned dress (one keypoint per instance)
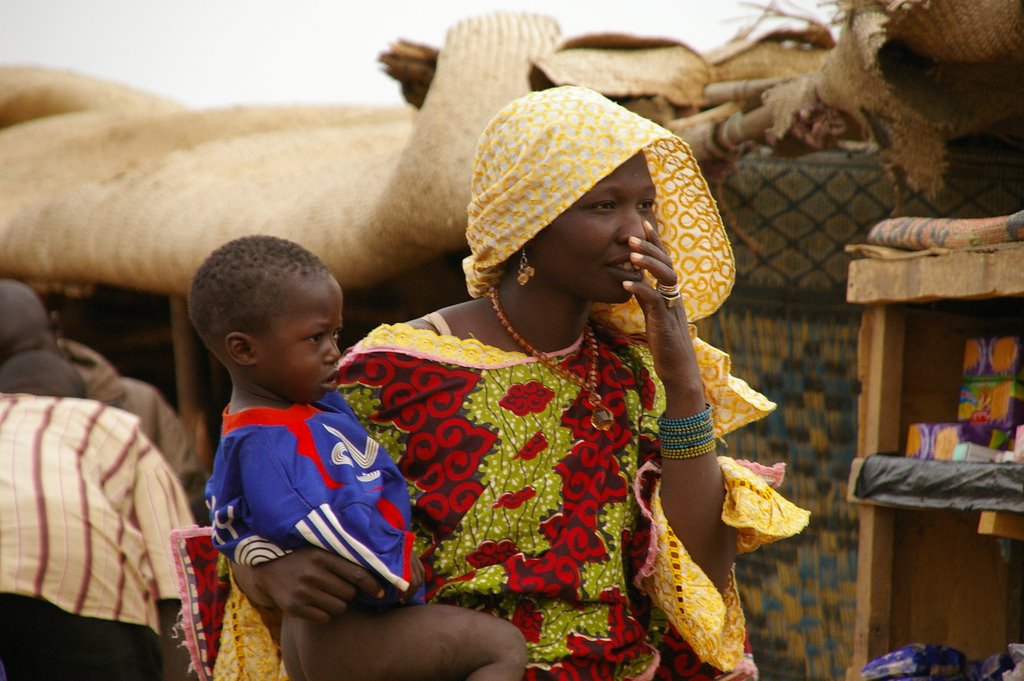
(524, 510)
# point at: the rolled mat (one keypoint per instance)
(921, 233)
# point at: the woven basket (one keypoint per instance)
(769, 59)
(621, 66)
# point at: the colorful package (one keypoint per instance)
(994, 356)
(997, 400)
(916, 660)
(938, 440)
(993, 381)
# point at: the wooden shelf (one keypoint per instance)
(1002, 524)
(992, 272)
(930, 575)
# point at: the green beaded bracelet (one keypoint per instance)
(687, 438)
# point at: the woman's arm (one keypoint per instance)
(309, 583)
(692, 490)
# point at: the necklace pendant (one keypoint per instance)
(601, 417)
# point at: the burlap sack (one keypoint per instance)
(907, 104)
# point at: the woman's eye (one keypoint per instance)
(647, 205)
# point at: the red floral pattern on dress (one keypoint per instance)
(531, 397)
(515, 499)
(534, 446)
(551, 526)
(678, 661)
(529, 619)
(491, 553)
(444, 450)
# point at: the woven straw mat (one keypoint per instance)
(28, 92)
(372, 198)
(57, 153)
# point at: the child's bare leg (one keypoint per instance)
(415, 643)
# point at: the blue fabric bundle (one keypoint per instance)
(991, 668)
(917, 662)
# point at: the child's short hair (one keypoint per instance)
(239, 285)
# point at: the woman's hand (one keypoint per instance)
(668, 334)
(415, 578)
(309, 583)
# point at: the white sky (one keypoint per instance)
(209, 53)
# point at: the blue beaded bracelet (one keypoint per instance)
(687, 438)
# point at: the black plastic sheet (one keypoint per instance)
(956, 485)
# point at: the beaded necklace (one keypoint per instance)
(600, 416)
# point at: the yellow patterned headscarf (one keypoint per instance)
(542, 152)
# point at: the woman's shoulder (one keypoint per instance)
(423, 340)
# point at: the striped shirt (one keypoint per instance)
(87, 504)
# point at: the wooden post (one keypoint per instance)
(880, 368)
(188, 369)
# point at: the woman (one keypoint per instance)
(557, 432)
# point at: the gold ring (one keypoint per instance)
(670, 301)
(667, 291)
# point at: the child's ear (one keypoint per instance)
(240, 348)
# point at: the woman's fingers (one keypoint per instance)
(650, 255)
(309, 583)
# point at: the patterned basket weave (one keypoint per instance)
(791, 334)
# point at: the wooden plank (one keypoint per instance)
(1002, 524)
(962, 274)
(871, 627)
(880, 369)
(950, 584)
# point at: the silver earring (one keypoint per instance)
(525, 270)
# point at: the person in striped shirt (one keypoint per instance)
(87, 504)
(28, 324)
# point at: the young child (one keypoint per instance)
(295, 467)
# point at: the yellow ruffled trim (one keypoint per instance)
(428, 343)
(712, 622)
(735, 403)
(247, 651)
(759, 513)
